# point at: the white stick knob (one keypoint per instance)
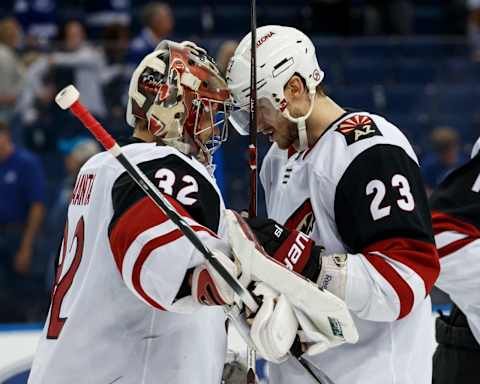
(67, 96)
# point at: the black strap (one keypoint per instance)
(454, 331)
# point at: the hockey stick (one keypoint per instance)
(68, 98)
(252, 149)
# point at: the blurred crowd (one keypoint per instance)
(47, 44)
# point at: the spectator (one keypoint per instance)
(42, 119)
(22, 207)
(445, 157)
(158, 22)
(116, 38)
(389, 17)
(473, 27)
(10, 68)
(77, 152)
(82, 63)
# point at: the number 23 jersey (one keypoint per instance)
(358, 190)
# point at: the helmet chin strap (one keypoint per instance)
(301, 121)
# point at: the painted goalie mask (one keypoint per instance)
(178, 92)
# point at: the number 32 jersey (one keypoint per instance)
(358, 190)
(121, 310)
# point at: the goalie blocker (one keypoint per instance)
(324, 318)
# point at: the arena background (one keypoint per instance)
(415, 62)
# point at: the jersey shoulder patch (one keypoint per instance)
(302, 219)
(358, 127)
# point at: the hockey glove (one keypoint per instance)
(208, 287)
(312, 339)
(274, 326)
(294, 249)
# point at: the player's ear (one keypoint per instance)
(295, 88)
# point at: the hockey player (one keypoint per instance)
(128, 281)
(455, 207)
(350, 181)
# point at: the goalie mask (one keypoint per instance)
(179, 93)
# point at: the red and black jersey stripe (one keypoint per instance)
(443, 222)
(401, 235)
(458, 194)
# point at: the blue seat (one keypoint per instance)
(407, 99)
(331, 49)
(415, 126)
(461, 99)
(367, 71)
(231, 19)
(369, 48)
(459, 70)
(358, 98)
(414, 71)
(188, 20)
(333, 72)
(282, 14)
(420, 48)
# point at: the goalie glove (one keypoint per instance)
(274, 326)
(294, 249)
(208, 287)
(312, 339)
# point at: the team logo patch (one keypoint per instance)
(336, 327)
(357, 128)
(302, 219)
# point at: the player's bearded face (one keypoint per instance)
(271, 122)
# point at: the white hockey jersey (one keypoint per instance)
(455, 207)
(120, 311)
(358, 190)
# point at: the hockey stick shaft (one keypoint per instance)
(68, 98)
(252, 149)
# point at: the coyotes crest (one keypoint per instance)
(302, 219)
(358, 127)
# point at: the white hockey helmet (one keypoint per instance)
(281, 53)
(172, 89)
